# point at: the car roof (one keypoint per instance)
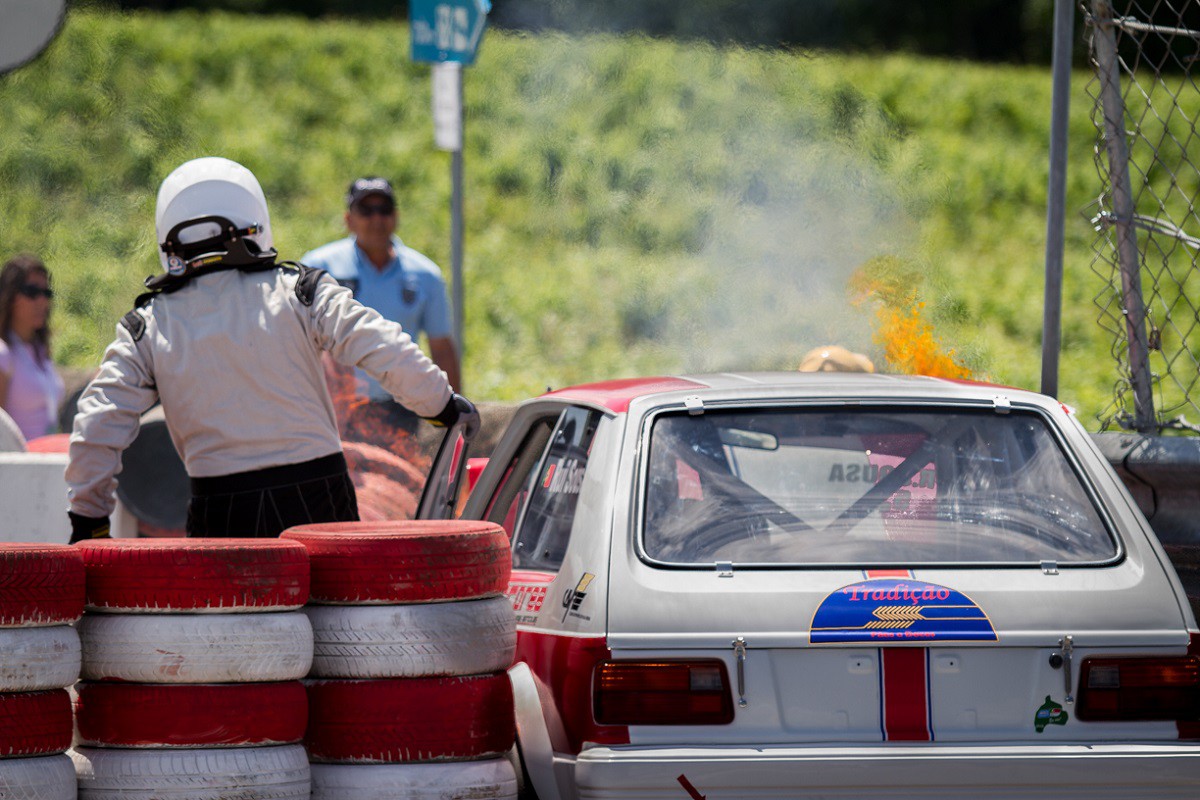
(617, 395)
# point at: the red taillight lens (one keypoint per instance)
(1128, 689)
(693, 692)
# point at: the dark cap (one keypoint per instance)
(368, 186)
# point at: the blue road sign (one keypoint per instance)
(447, 30)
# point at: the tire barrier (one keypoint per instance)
(195, 648)
(34, 723)
(44, 778)
(1163, 475)
(50, 443)
(471, 637)
(388, 485)
(200, 576)
(192, 650)
(421, 561)
(494, 778)
(412, 637)
(37, 659)
(183, 715)
(40, 584)
(153, 483)
(410, 720)
(41, 593)
(241, 773)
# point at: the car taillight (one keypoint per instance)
(1128, 689)
(665, 692)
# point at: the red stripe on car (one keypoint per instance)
(903, 684)
(904, 680)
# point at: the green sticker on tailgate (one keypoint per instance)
(1051, 713)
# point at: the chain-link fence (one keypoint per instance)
(1146, 105)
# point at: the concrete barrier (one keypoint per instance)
(33, 494)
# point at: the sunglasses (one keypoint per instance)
(373, 209)
(34, 292)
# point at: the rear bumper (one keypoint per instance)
(1097, 772)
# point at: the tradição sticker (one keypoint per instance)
(885, 610)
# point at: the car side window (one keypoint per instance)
(544, 528)
(508, 501)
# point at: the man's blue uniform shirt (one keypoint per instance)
(409, 290)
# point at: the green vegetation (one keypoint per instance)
(633, 205)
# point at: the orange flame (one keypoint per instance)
(907, 338)
(910, 346)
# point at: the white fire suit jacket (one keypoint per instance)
(235, 358)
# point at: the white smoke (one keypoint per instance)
(779, 269)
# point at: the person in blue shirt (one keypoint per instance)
(384, 274)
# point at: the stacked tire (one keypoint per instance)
(193, 651)
(41, 594)
(408, 693)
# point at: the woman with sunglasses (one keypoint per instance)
(30, 388)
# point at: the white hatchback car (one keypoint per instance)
(834, 586)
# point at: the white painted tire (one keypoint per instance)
(196, 648)
(44, 778)
(493, 778)
(469, 637)
(245, 773)
(36, 659)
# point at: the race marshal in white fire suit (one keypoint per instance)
(230, 342)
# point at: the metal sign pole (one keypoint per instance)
(446, 34)
(1056, 200)
(456, 230)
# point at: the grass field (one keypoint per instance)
(632, 205)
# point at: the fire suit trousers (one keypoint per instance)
(266, 502)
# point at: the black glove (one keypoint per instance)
(459, 409)
(85, 529)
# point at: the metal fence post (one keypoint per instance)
(1133, 306)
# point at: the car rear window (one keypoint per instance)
(864, 486)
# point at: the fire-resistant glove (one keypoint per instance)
(84, 529)
(459, 409)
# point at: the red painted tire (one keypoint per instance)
(419, 561)
(410, 719)
(50, 443)
(40, 584)
(195, 715)
(34, 723)
(195, 575)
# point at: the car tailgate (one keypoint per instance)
(980, 654)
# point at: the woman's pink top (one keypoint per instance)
(34, 388)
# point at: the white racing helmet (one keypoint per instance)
(209, 187)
